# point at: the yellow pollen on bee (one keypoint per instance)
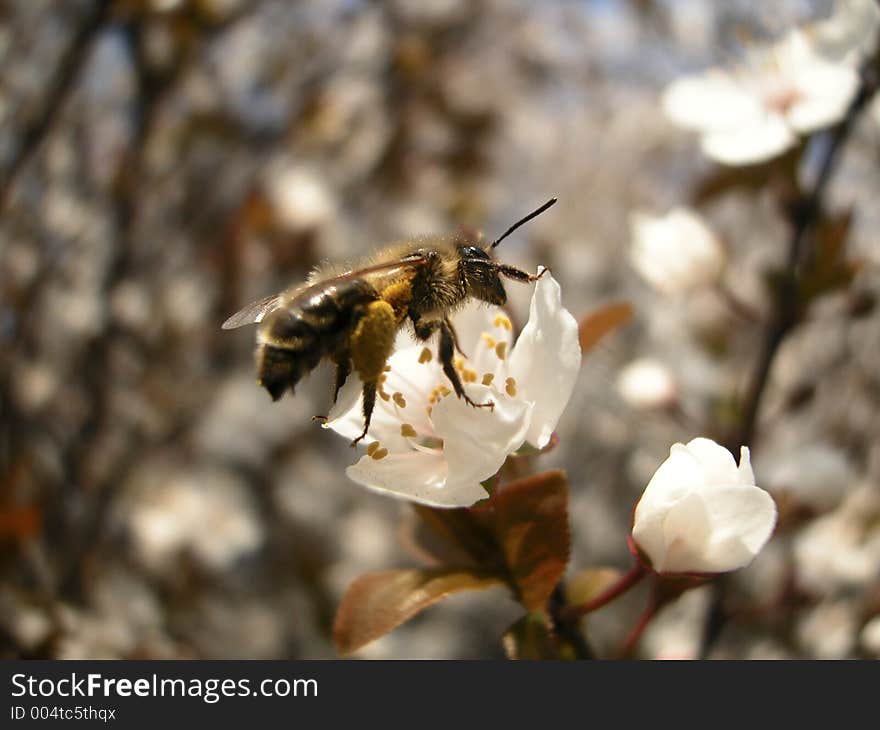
(399, 400)
(379, 454)
(501, 350)
(510, 386)
(373, 448)
(488, 378)
(468, 375)
(488, 339)
(503, 322)
(407, 431)
(425, 356)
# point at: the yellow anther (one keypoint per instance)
(407, 431)
(502, 321)
(501, 350)
(379, 454)
(399, 399)
(373, 448)
(510, 387)
(488, 378)
(488, 339)
(458, 362)
(469, 376)
(384, 396)
(425, 356)
(443, 390)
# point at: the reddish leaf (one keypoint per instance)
(459, 537)
(596, 325)
(531, 524)
(376, 603)
(530, 638)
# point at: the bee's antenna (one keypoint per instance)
(522, 221)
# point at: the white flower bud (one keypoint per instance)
(700, 513)
(647, 383)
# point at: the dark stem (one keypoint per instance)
(627, 581)
(788, 311)
(62, 83)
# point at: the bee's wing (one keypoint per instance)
(254, 312)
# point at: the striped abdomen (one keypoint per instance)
(294, 338)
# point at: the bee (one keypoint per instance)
(351, 315)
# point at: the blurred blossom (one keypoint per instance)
(676, 253)
(676, 632)
(842, 549)
(700, 513)
(754, 113)
(870, 637)
(427, 445)
(828, 631)
(300, 198)
(203, 512)
(647, 383)
(816, 475)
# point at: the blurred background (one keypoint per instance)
(164, 162)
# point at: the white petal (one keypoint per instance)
(746, 475)
(677, 476)
(476, 441)
(686, 532)
(546, 359)
(713, 100)
(826, 94)
(768, 137)
(742, 520)
(716, 462)
(415, 476)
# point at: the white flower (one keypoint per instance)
(755, 113)
(647, 383)
(676, 253)
(702, 514)
(429, 446)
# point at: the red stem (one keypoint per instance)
(627, 581)
(636, 634)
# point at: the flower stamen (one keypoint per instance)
(503, 322)
(399, 400)
(407, 431)
(510, 386)
(501, 350)
(425, 356)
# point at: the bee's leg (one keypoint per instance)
(455, 339)
(369, 404)
(343, 370)
(511, 272)
(372, 343)
(446, 352)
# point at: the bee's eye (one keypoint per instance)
(473, 252)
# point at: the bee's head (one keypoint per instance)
(481, 279)
(481, 275)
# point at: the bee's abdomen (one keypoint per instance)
(293, 339)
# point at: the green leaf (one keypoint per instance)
(376, 603)
(585, 585)
(531, 637)
(531, 525)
